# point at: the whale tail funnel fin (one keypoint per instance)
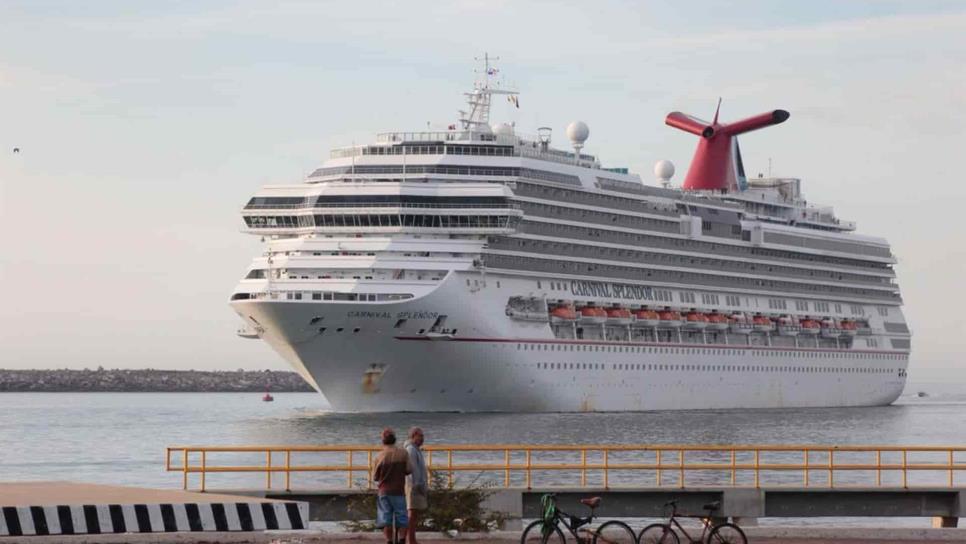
(717, 164)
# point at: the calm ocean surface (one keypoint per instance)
(120, 438)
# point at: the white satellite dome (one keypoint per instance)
(483, 128)
(664, 170)
(578, 131)
(503, 129)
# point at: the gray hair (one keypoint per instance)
(414, 431)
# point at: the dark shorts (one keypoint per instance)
(389, 508)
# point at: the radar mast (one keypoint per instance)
(477, 119)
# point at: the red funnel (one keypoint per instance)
(716, 165)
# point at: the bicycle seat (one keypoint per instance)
(592, 502)
(712, 505)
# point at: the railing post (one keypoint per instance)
(951, 477)
(659, 468)
(805, 470)
(268, 469)
(606, 468)
(184, 469)
(204, 468)
(681, 468)
(369, 467)
(757, 468)
(349, 478)
(506, 464)
(831, 469)
(905, 473)
(529, 476)
(878, 468)
(288, 470)
(734, 469)
(449, 466)
(583, 467)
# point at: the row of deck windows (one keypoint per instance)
(808, 354)
(644, 239)
(446, 169)
(603, 271)
(378, 220)
(715, 368)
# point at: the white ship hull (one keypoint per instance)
(485, 361)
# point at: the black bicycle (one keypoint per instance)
(712, 532)
(547, 529)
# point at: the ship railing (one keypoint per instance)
(589, 466)
(378, 205)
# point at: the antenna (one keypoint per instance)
(769, 166)
(717, 110)
(478, 116)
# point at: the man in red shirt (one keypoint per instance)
(389, 472)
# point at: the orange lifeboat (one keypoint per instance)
(619, 316)
(810, 326)
(667, 318)
(646, 318)
(739, 323)
(762, 323)
(590, 314)
(849, 327)
(563, 314)
(787, 326)
(830, 329)
(695, 320)
(717, 321)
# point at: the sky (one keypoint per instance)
(145, 126)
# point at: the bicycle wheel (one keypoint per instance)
(614, 532)
(533, 534)
(727, 533)
(658, 533)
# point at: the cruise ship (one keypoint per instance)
(478, 268)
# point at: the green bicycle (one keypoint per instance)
(547, 530)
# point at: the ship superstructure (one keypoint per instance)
(480, 269)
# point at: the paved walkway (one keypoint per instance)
(56, 493)
(756, 535)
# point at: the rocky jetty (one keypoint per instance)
(150, 380)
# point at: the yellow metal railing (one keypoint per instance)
(606, 466)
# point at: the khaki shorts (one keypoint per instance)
(416, 500)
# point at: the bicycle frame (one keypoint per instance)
(706, 525)
(563, 518)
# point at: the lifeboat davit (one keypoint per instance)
(830, 329)
(762, 323)
(695, 320)
(849, 328)
(589, 314)
(646, 318)
(788, 327)
(563, 314)
(717, 321)
(619, 316)
(667, 318)
(739, 323)
(810, 326)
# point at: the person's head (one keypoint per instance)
(416, 436)
(388, 436)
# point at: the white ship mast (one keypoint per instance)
(479, 100)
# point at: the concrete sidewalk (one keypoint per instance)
(756, 535)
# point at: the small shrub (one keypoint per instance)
(450, 508)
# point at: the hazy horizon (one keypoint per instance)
(144, 128)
